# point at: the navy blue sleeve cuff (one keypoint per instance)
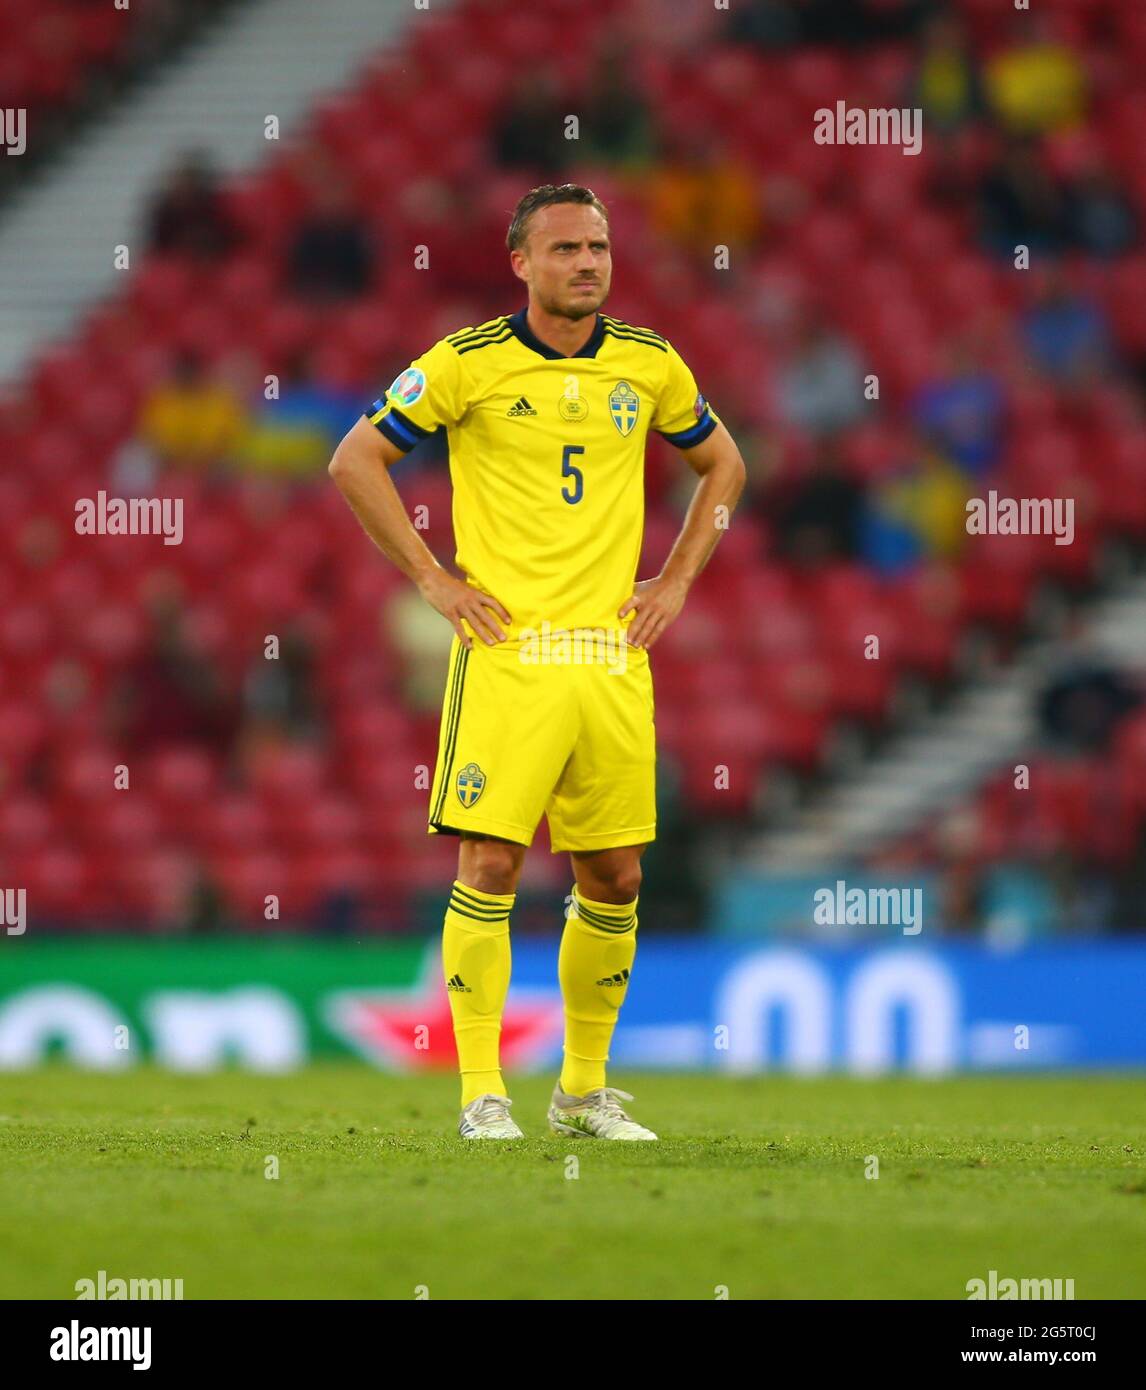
(398, 428)
(695, 434)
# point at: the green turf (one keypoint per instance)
(759, 1187)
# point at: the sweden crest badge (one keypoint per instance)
(623, 406)
(470, 784)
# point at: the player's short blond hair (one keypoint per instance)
(545, 196)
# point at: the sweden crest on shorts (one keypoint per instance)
(623, 406)
(470, 784)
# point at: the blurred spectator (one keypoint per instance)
(1065, 333)
(765, 23)
(278, 691)
(173, 692)
(1100, 218)
(963, 410)
(296, 433)
(188, 215)
(820, 388)
(890, 546)
(1085, 697)
(421, 638)
(331, 255)
(1020, 203)
(676, 891)
(700, 197)
(167, 882)
(133, 471)
(961, 873)
(339, 913)
(917, 512)
(948, 86)
(530, 133)
(194, 420)
(1037, 84)
(66, 696)
(820, 519)
(617, 128)
(38, 544)
(932, 500)
(205, 911)
(856, 22)
(773, 24)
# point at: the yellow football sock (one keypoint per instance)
(476, 962)
(597, 950)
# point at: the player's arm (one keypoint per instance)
(360, 469)
(717, 463)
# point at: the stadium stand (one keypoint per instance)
(1027, 382)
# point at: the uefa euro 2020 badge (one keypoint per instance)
(408, 386)
(470, 784)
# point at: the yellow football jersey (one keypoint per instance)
(547, 458)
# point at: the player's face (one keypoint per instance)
(566, 261)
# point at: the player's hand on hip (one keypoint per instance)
(656, 603)
(455, 599)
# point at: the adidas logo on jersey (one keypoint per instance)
(458, 985)
(610, 980)
(520, 407)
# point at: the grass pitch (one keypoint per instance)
(760, 1187)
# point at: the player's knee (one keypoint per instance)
(619, 883)
(628, 882)
(491, 866)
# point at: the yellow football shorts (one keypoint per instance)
(565, 732)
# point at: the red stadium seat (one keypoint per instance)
(234, 821)
(181, 778)
(26, 822)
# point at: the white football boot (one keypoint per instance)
(598, 1115)
(488, 1118)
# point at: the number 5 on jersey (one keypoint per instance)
(572, 492)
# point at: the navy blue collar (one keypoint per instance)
(526, 334)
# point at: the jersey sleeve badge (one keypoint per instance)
(407, 387)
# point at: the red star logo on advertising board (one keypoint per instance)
(412, 1029)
